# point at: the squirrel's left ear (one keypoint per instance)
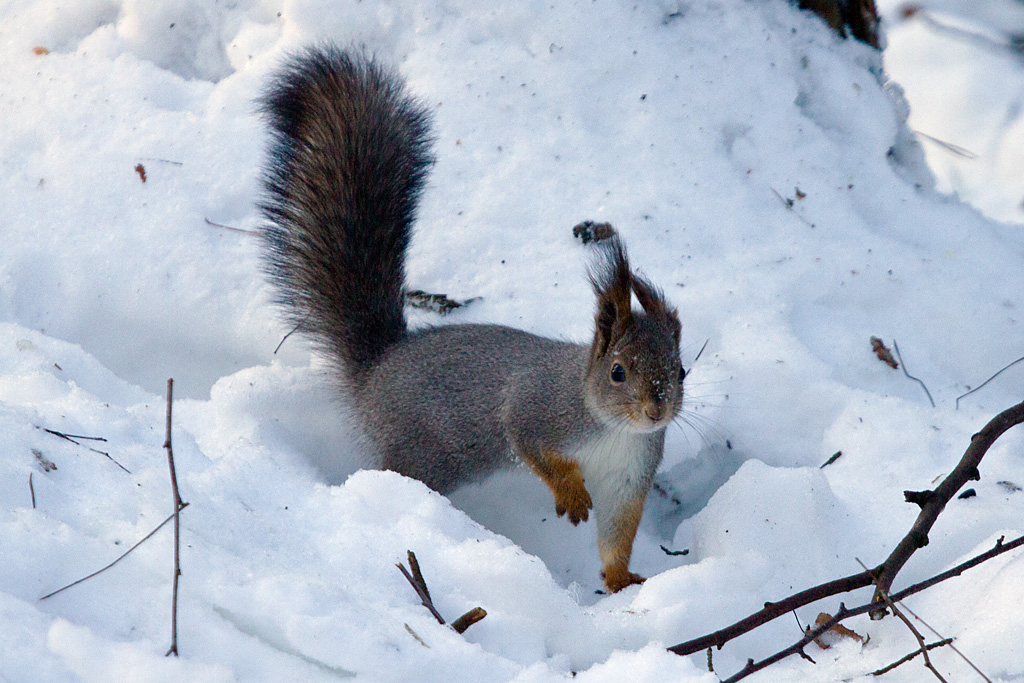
(653, 301)
(612, 282)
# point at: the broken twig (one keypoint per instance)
(121, 557)
(922, 646)
(896, 347)
(415, 578)
(1006, 367)
(178, 506)
(73, 438)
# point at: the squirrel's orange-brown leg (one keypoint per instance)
(564, 478)
(615, 544)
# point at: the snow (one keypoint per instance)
(965, 82)
(760, 170)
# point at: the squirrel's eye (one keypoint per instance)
(618, 374)
(682, 374)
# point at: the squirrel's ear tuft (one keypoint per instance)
(610, 276)
(653, 302)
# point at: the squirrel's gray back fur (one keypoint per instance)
(440, 406)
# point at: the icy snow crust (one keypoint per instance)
(687, 125)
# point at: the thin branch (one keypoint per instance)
(907, 658)
(697, 357)
(468, 619)
(72, 438)
(948, 146)
(228, 227)
(843, 613)
(1007, 367)
(789, 203)
(285, 338)
(922, 646)
(421, 590)
(835, 456)
(896, 348)
(951, 647)
(886, 572)
(415, 578)
(974, 37)
(414, 565)
(32, 490)
(123, 555)
(163, 161)
(723, 636)
(773, 610)
(178, 505)
(965, 470)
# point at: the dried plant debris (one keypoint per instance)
(43, 461)
(883, 353)
(1009, 486)
(834, 634)
(141, 170)
(589, 231)
(438, 303)
(835, 456)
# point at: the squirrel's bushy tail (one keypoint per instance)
(347, 164)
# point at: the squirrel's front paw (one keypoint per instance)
(574, 500)
(615, 579)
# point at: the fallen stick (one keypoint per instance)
(932, 504)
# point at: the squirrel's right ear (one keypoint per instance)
(611, 279)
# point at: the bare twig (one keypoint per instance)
(907, 658)
(32, 490)
(468, 619)
(414, 565)
(771, 611)
(886, 572)
(965, 470)
(415, 578)
(843, 613)
(896, 348)
(697, 357)
(73, 438)
(121, 557)
(922, 646)
(285, 338)
(420, 586)
(835, 456)
(951, 646)
(228, 227)
(789, 203)
(178, 506)
(948, 146)
(979, 39)
(163, 161)
(1006, 367)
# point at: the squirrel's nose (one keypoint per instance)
(654, 412)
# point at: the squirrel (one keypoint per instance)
(446, 405)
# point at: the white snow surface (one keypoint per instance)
(760, 170)
(964, 78)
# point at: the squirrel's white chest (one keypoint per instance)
(615, 464)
